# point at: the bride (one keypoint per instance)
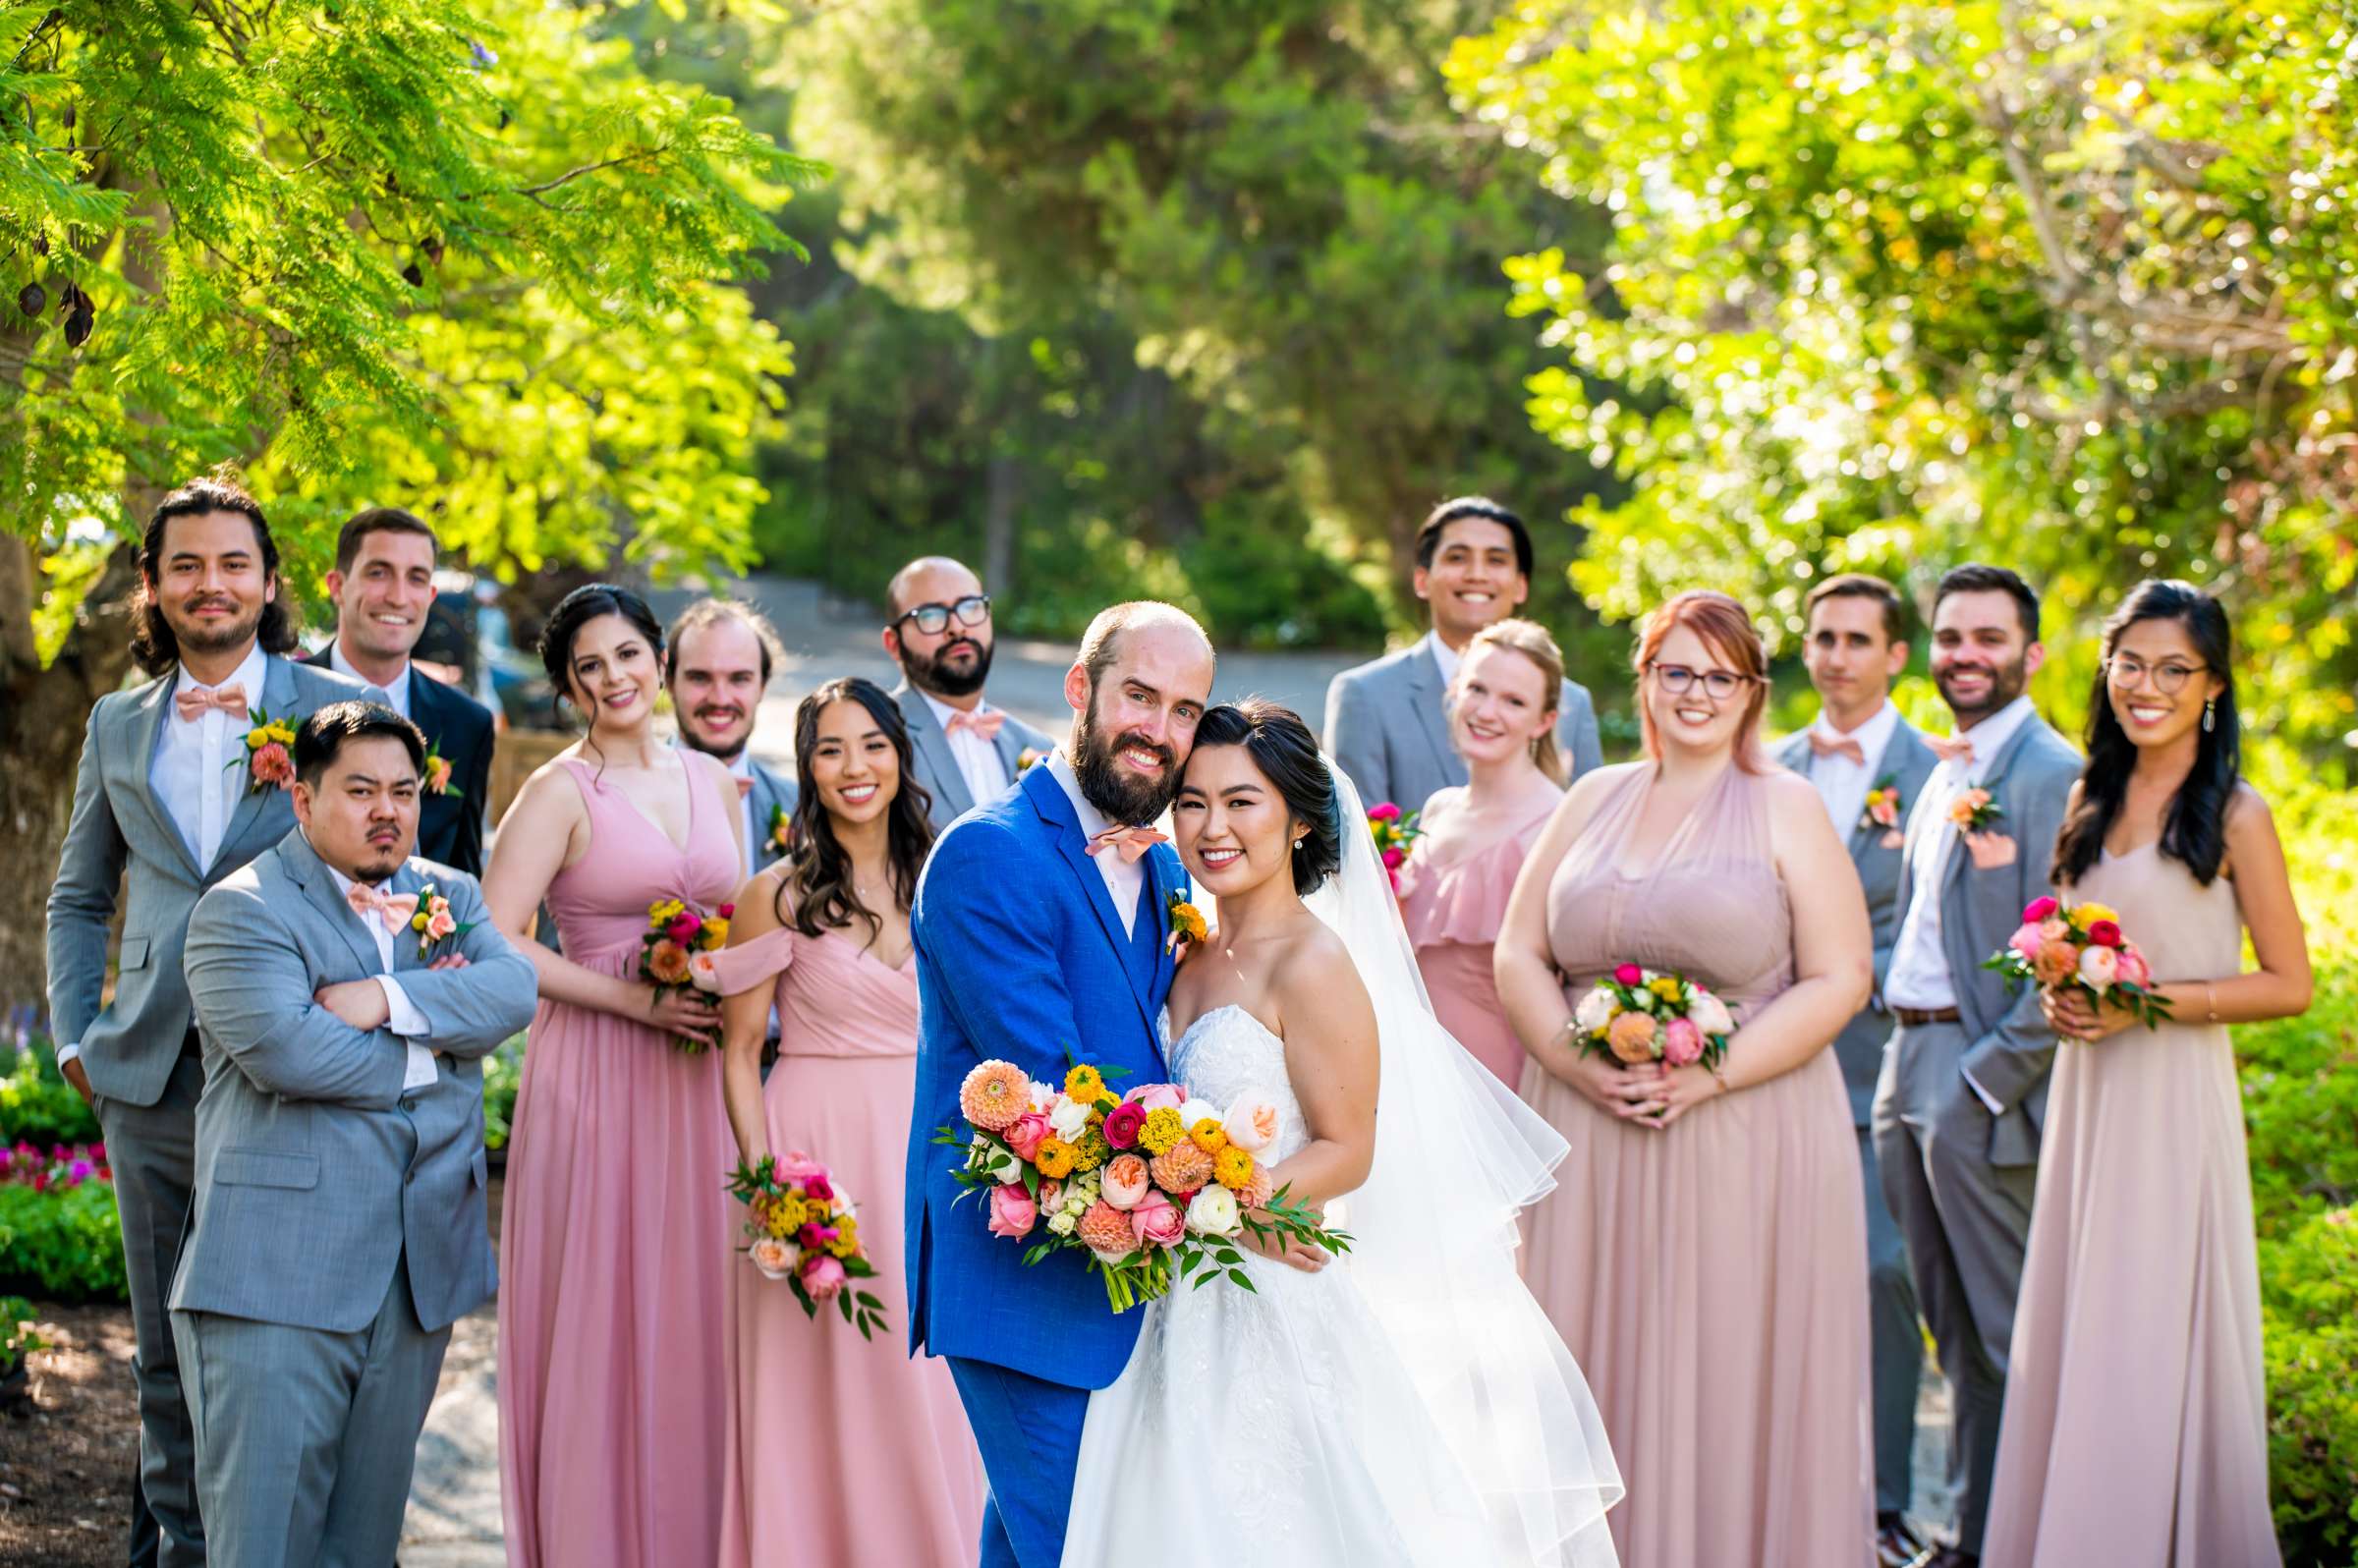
(1406, 1403)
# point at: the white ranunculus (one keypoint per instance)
(1195, 1112)
(1069, 1119)
(1711, 1014)
(993, 1161)
(1595, 1010)
(1044, 1096)
(1213, 1212)
(1061, 1222)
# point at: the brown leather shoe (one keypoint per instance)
(1897, 1546)
(1954, 1558)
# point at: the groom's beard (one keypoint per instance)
(1123, 796)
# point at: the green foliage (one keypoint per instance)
(2065, 286)
(503, 1072)
(16, 1337)
(64, 1244)
(39, 1106)
(2309, 1302)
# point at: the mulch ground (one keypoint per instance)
(66, 1462)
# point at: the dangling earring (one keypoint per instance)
(2210, 722)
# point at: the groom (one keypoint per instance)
(1039, 928)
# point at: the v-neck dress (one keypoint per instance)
(615, 1238)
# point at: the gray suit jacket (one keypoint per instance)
(317, 1171)
(773, 792)
(1907, 762)
(118, 826)
(2011, 1049)
(1388, 726)
(937, 769)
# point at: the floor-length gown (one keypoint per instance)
(2136, 1419)
(614, 1244)
(1453, 906)
(1710, 1277)
(842, 1450)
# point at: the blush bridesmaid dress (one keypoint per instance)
(1453, 904)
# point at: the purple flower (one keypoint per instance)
(79, 1170)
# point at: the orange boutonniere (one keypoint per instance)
(437, 774)
(1187, 927)
(270, 760)
(433, 921)
(1884, 808)
(1025, 759)
(1973, 812)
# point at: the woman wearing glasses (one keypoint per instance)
(967, 752)
(2147, 1443)
(1705, 1253)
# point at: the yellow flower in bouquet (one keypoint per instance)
(787, 1216)
(1055, 1158)
(1084, 1085)
(2084, 915)
(1209, 1136)
(1162, 1129)
(847, 1237)
(664, 911)
(1089, 1150)
(1665, 987)
(1233, 1168)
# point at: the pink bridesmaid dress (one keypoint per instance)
(614, 1244)
(841, 1450)
(1453, 907)
(1710, 1276)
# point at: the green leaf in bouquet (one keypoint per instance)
(1242, 1278)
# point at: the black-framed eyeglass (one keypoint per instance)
(1719, 685)
(2168, 679)
(971, 610)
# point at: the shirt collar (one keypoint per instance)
(1443, 655)
(1874, 735)
(1992, 734)
(1060, 768)
(249, 675)
(942, 711)
(343, 666)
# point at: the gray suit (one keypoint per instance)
(1388, 725)
(1961, 1180)
(937, 768)
(339, 1226)
(773, 792)
(1898, 1342)
(138, 1048)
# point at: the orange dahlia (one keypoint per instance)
(994, 1095)
(1181, 1170)
(1632, 1036)
(1106, 1229)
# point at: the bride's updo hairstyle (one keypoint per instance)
(1730, 636)
(1287, 754)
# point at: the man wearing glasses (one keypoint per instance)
(967, 752)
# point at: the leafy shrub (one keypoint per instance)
(62, 1243)
(2309, 1311)
(17, 1338)
(503, 1069)
(38, 1105)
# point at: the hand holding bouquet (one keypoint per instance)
(675, 954)
(2080, 950)
(1153, 1186)
(1396, 833)
(1640, 1015)
(800, 1228)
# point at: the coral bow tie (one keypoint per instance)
(745, 787)
(1950, 747)
(193, 702)
(1847, 745)
(394, 909)
(984, 722)
(1132, 841)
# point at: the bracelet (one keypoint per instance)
(2210, 1003)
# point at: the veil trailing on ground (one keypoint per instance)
(1457, 1157)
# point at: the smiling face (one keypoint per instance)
(1230, 824)
(1499, 708)
(716, 686)
(1135, 730)
(362, 817)
(1475, 578)
(1983, 658)
(210, 583)
(2147, 656)
(614, 672)
(853, 764)
(1850, 656)
(1694, 720)
(381, 602)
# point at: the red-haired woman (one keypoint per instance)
(1705, 1253)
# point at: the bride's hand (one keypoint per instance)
(1672, 1092)
(1278, 1248)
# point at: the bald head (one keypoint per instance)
(929, 580)
(940, 631)
(1137, 690)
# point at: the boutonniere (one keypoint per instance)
(1187, 925)
(1025, 759)
(1885, 808)
(437, 774)
(1973, 812)
(433, 921)
(781, 831)
(270, 760)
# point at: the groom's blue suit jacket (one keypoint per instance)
(1021, 955)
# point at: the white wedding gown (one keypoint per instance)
(1280, 1427)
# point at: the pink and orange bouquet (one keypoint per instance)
(1396, 833)
(1153, 1186)
(1640, 1015)
(801, 1228)
(676, 953)
(2081, 947)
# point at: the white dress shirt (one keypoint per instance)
(1444, 656)
(1919, 974)
(741, 769)
(1125, 881)
(403, 1017)
(1842, 783)
(397, 695)
(194, 774)
(986, 777)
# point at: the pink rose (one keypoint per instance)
(1157, 1221)
(795, 1167)
(1127, 1181)
(1122, 1124)
(2104, 934)
(817, 1185)
(683, 930)
(1051, 1195)
(1384, 811)
(1156, 1097)
(1252, 1123)
(2132, 969)
(272, 765)
(440, 923)
(1394, 858)
(1628, 975)
(2027, 943)
(1682, 1043)
(772, 1256)
(2099, 967)
(1013, 1214)
(823, 1276)
(703, 972)
(1025, 1135)
(1884, 813)
(437, 774)
(2040, 909)
(2053, 930)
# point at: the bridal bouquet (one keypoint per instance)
(2081, 947)
(800, 1228)
(1641, 1015)
(675, 953)
(1154, 1186)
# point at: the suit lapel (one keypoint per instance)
(1432, 710)
(1994, 781)
(1047, 799)
(405, 942)
(278, 701)
(311, 873)
(943, 778)
(145, 720)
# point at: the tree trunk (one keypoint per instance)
(1002, 504)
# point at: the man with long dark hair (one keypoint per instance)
(969, 752)
(181, 781)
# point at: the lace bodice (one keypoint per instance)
(1227, 1053)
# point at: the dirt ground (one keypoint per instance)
(66, 1465)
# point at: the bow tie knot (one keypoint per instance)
(1952, 748)
(1823, 744)
(394, 909)
(985, 722)
(1132, 841)
(745, 787)
(198, 700)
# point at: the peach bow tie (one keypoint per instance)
(194, 702)
(1950, 747)
(985, 722)
(394, 909)
(1842, 746)
(745, 787)
(1132, 841)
